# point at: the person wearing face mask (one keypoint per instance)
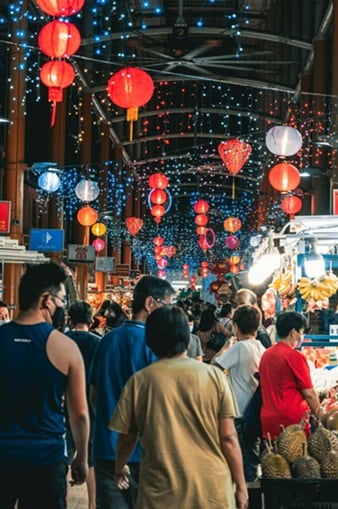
(287, 389)
(40, 369)
(4, 313)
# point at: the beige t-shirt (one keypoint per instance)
(175, 405)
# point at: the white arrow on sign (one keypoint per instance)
(48, 237)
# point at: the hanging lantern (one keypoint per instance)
(157, 211)
(201, 207)
(87, 216)
(161, 264)
(202, 242)
(283, 140)
(157, 257)
(158, 241)
(56, 75)
(130, 88)
(200, 230)
(59, 39)
(87, 190)
(99, 244)
(134, 225)
(201, 219)
(234, 259)
(98, 229)
(158, 250)
(158, 196)
(49, 181)
(204, 264)
(232, 242)
(284, 177)
(291, 205)
(162, 274)
(158, 181)
(171, 251)
(234, 269)
(60, 7)
(232, 224)
(234, 154)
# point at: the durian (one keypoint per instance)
(321, 442)
(274, 465)
(291, 441)
(329, 466)
(305, 466)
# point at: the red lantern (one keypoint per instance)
(201, 219)
(60, 7)
(201, 207)
(130, 88)
(158, 250)
(134, 224)
(162, 263)
(291, 205)
(158, 181)
(284, 177)
(232, 224)
(232, 242)
(158, 241)
(56, 75)
(158, 196)
(87, 216)
(157, 211)
(234, 154)
(204, 264)
(171, 251)
(234, 269)
(186, 266)
(59, 39)
(203, 243)
(99, 244)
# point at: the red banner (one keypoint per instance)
(5, 216)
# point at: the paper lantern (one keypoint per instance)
(162, 274)
(49, 181)
(291, 205)
(158, 241)
(59, 39)
(234, 154)
(87, 190)
(87, 216)
(201, 207)
(200, 230)
(161, 264)
(201, 219)
(204, 264)
(232, 242)
(234, 269)
(185, 266)
(158, 196)
(202, 242)
(99, 244)
(232, 224)
(284, 177)
(158, 181)
(158, 250)
(60, 7)
(98, 229)
(130, 88)
(234, 259)
(134, 225)
(56, 75)
(283, 140)
(157, 211)
(171, 251)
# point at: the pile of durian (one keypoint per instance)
(293, 456)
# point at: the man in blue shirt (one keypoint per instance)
(121, 353)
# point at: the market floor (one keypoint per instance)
(77, 497)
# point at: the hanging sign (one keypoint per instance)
(105, 264)
(81, 253)
(5, 215)
(50, 240)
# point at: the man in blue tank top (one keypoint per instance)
(121, 352)
(40, 368)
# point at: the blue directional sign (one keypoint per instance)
(46, 240)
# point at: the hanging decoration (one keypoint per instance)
(201, 219)
(158, 181)
(158, 241)
(232, 224)
(159, 201)
(56, 75)
(204, 268)
(201, 207)
(98, 229)
(232, 242)
(60, 7)
(87, 216)
(283, 140)
(284, 177)
(234, 154)
(158, 196)
(87, 190)
(185, 270)
(98, 244)
(134, 225)
(291, 205)
(157, 211)
(59, 39)
(130, 88)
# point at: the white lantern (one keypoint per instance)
(87, 190)
(49, 181)
(283, 140)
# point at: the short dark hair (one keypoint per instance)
(37, 280)
(150, 286)
(247, 318)
(226, 309)
(3, 304)
(167, 331)
(288, 320)
(207, 320)
(80, 312)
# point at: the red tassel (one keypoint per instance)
(52, 121)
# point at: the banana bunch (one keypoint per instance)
(318, 289)
(283, 283)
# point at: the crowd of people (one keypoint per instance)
(146, 426)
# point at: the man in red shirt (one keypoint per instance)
(287, 389)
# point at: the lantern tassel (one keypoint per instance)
(132, 115)
(53, 117)
(233, 187)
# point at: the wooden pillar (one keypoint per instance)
(15, 168)
(83, 232)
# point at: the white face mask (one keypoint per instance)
(4, 321)
(191, 327)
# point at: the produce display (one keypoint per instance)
(318, 288)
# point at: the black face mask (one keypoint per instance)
(59, 318)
